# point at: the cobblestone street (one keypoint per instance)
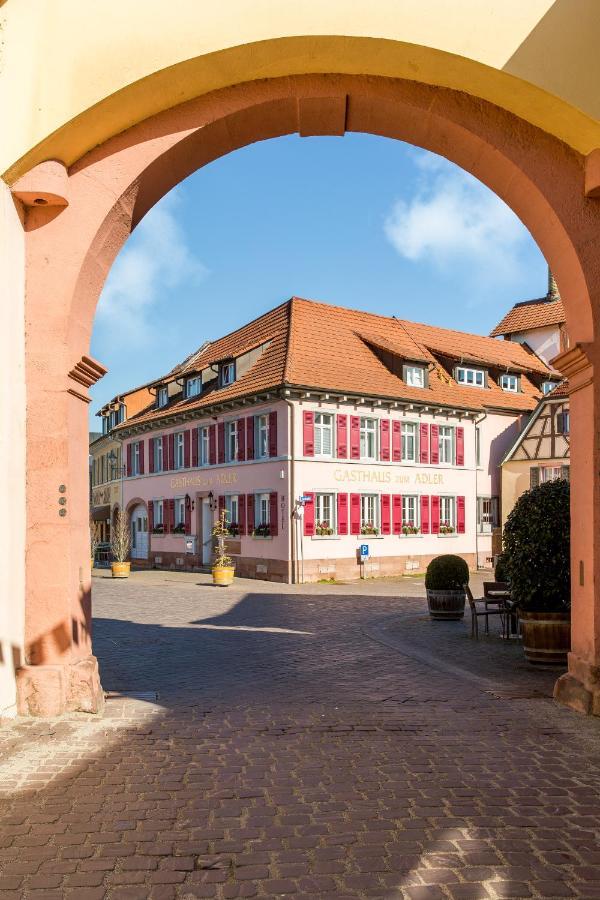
(315, 741)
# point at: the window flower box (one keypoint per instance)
(262, 531)
(179, 529)
(158, 529)
(234, 529)
(369, 528)
(446, 528)
(410, 530)
(323, 529)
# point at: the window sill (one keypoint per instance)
(404, 536)
(364, 538)
(261, 537)
(445, 536)
(325, 537)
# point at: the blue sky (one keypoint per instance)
(359, 221)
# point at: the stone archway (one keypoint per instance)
(69, 250)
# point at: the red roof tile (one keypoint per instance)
(531, 314)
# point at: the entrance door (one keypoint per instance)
(207, 540)
(139, 533)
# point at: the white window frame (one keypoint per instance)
(550, 473)
(414, 376)
(405, 437)
(203, 445)
(162, 397)
(232, 509)
(193, 386)
(370, 511)
(158, 455)
(323, 427)
(159, 512)
(262, 436)
(509, 383)
(179, 514)
(322, 501)
(446, 444)
(368, 434)
(231, 440)
(227, 374)
(470, 376)
(136, 453)
(548, 387)
(411, 517)
(179, 461)
(262, 502)
(485, 517)
(448, 510)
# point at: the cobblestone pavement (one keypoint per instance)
(323, 741)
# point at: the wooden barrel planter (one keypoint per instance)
(546, 637)
(446, 604)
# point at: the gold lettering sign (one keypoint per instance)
(386, 476)
(214, 479)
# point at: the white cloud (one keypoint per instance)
(453, 219)
(155, 261)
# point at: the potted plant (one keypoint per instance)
(323, 528)
(179, 529)
(537, 563)
(120, 545)
(445, 580)
(369, 528)
(159, 528)
(410, 529)
(263, 530)
(234, 529)
(446, 528)
(222, 568)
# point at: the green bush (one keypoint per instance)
(446, 573)
(501, 571)
(537, 548)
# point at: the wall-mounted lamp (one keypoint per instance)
(212, 503)
(189, 503)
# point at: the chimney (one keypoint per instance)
(553, 292)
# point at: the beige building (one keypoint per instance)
(105, 483)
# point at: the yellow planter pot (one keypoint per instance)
(222, 575)
(120, 569)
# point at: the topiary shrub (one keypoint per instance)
(500, 570)
(446, 573)
(537, 548)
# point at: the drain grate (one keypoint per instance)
(131, 695)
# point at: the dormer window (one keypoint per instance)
(116, 416)
(193, 386)
(470, 377)
(414, 376)
(548, 386)
(162, 397)
(510, 383)
(227, 373)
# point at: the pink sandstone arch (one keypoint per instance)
(71, 248)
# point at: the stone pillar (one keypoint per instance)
(579, 688)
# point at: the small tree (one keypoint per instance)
(537, 548)
(120, 542)
(447, 573)
(94, 538)
(221, 533)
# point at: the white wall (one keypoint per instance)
(12, 447)
(543, 341)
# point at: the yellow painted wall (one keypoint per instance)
(516, 480)
(104, 66)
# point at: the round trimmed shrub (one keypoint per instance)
(500, 570)
(537, 548)
(446, 573)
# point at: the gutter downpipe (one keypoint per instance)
(292, 491)
(477, 423)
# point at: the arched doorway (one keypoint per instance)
(114, 185)
(138, 524)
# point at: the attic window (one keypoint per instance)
(510, 383)
(470, 377)
(414, 376)
(193, 386)
(548, 386)
(162, 397)
(227, 373)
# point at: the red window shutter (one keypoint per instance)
(460, 515)
(250, 513)
(165, 455)
(354, 441)
(396, 441)
(460, 446)
(151, 455)
(434, 434)
(342, 436)
(212, 445)
(221, 442)
(384, 431)
(221, 505)
(308, 432)
(354, 513)
(142, 455)
(171, 505)
(188, 516)
(242, 513)
(273, 521)
(186, 449)
(435, 515)
(172, 451)
(194, 442)
(342, 513)
(129, 459)
(150, 511)
(424, 515)
(309, 513)
(424, 443)
(385, 514)
(241, 429)
(397, 514)
(273, 433)
(250, 449)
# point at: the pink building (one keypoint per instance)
(321, 430)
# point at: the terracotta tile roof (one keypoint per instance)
(331, 348)
(531, 314)
(561, 390)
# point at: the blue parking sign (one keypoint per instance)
(364, 550)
